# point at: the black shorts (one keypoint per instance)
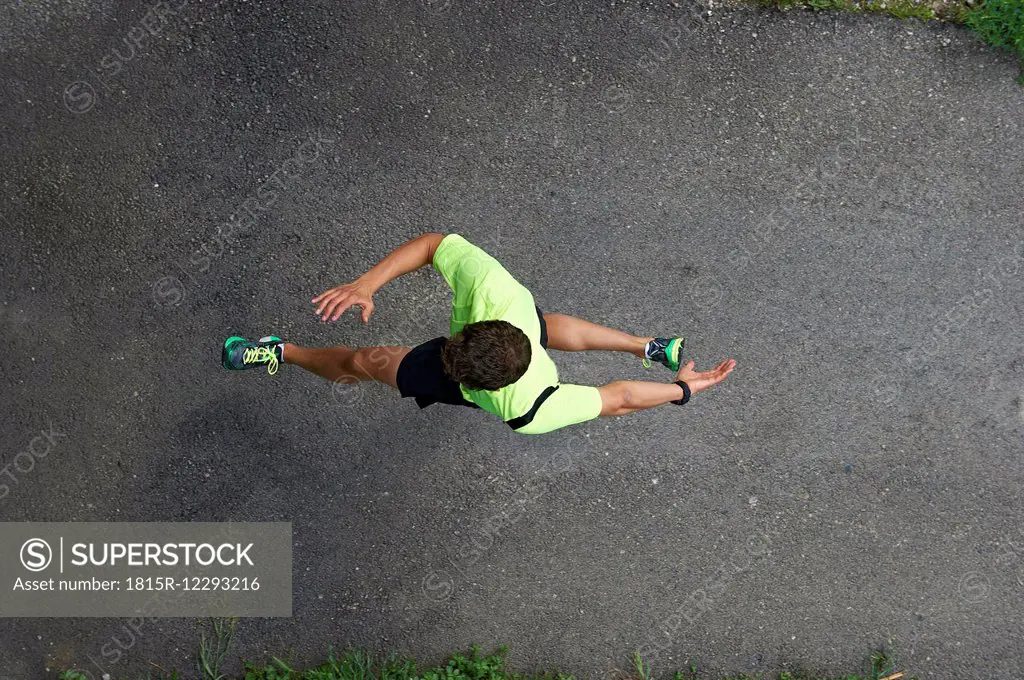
(421, 375)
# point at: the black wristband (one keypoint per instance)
(686, 393)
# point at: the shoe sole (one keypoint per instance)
(224, 352)
(679, 353)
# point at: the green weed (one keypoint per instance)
(362, 665)
(213, 650)
(1000, 23)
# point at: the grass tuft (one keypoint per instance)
(1000, 23)
(213, 650)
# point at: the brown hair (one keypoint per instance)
(486, 355)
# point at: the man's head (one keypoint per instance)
(486, 355)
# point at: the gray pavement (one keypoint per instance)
(835, 201)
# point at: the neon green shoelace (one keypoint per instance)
(261, 355)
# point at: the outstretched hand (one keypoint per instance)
(334, 302)
(698, 382)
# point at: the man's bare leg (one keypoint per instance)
(572, 334)
(348, 365)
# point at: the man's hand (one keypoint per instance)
(698, 382)
(334, 302)
(409, 256)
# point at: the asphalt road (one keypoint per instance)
(835, 201)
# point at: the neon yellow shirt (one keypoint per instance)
(482, 291)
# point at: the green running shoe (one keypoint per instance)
(665, 351)
(239, 354)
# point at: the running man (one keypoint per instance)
(496, 358)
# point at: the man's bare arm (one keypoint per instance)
(408, 257)
(629, 396)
